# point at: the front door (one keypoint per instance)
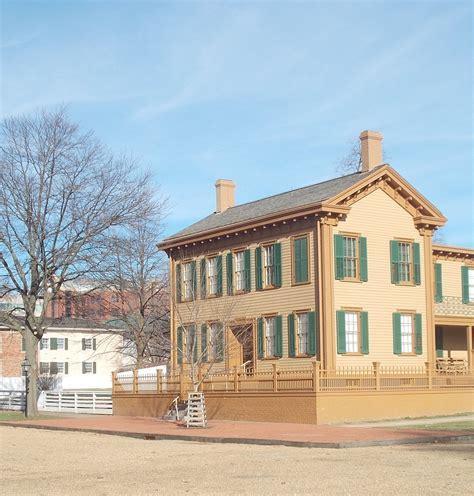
(240, 347)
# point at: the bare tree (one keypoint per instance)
(62, 195)
(439, 238)
(352, 161)
(139, 299)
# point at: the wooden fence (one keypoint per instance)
(300, 379)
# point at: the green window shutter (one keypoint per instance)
(258, 268)
(339, 256)
(66, 368)
(397, 333)
(94, 344)
(193, 280)
(179, 344)
(341, 331)
(416, 263)
(204, 342)
(364, 324)
(23, 344)
(300, 253)
(220, 344)
(53, 368)
(291, 335)
(418, 335)
(438, 272)
(394, 269)
(83, 367)
(178, 283)
(229, 273)
(439, 342)
(94, 367)
(202, 275)
(277, 262)
(279, 336)
(313, 336)
(465, 284)
(363, 259)
(66, 344)
(219, 275)
(248, 280)
(53, 343)
(194, 341)
(260, 337)
(83, 344)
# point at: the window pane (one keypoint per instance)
(404, 250)
(350, 257)
(60, 367)
(212, 275)
(406, 322)
(352, 332)
(302, 331)
(268, 263)
(270, 347)
(471, 284)
(60, 343)
(239, 271)
(88, 367)
(45, 343)
(88, 344)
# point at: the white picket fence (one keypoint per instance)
(76, 402)
(12, 400)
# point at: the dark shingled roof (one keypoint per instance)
(289, 200)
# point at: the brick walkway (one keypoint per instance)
(246, 432)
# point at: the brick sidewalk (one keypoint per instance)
(303, 435)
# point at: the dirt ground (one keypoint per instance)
(36, 462)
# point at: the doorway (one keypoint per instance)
(240, 347)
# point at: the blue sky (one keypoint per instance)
(269, 94)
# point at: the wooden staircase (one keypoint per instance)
(196, 416)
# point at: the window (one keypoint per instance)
(302, 333)
(239, 271)
(471, 285)
(406, 326)
(61, 344)
(187, 281)
(212, 275)
(215, 342)
(269, 265)
(191, 344)
(350, 257)
(88, 367)
(352, 332)
(60, 367)
(44, 344)
(270, 335)
(87, 344)
(44, 368)
(405, 262)
(300, 260)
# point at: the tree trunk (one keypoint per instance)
(31, 348)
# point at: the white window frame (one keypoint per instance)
(302, 332)
(211, 269)
(239, 262)
(61, 342)
(44, 345)
(86, 364)
(270, 336)
(352, 327)
(42, 367)
(60, 367)
(470, 281)
(88, 344)
(187, 281)
(406, 332)
(269, 265)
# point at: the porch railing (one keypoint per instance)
(453, 305)
(302, 379)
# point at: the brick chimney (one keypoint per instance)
(225, 194)
(370, 149)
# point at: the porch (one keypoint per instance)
(454, 338)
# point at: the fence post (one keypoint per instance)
(75, 402)
(428, 373)
(275, 378)
(158, 380)
(181, 383)
(316, 377)
(377, 375)
(135, 381)
(60, 401)
(114, 375)
(236, 380)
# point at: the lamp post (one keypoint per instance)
(25, 369)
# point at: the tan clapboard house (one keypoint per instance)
(323, 304)
(344, 271)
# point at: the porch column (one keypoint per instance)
(470, 351)
(173, 302)
(428, 266)
(328, 352)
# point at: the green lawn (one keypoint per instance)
(14, 416)
(458, 425)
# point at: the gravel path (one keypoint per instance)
(62, 463)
